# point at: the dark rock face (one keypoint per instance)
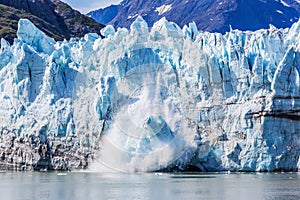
(54, 17)
(38, 153)
(214, 16)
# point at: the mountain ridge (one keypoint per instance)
(55, 18)
(212, 16)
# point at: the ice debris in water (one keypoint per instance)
(151, 98)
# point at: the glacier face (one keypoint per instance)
(145, 100)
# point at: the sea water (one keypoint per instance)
(168, 186)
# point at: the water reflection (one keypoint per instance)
(78, 186)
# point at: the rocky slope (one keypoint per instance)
(54, 17)
(209, 15)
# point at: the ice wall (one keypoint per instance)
(151, 99)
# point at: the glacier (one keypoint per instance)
(150, 99)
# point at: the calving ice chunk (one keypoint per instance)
(145, 100)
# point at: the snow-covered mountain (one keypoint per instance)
(141, 100)
(208, 15)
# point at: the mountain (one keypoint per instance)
(214, 16)
(147, 99)
(54, 17)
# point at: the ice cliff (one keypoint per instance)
(146, 99)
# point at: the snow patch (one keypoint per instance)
(132, 16)
(284, 3)
(163, 9)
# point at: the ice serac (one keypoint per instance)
(35, 37)
(145, 99)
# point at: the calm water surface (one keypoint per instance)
(86, 186)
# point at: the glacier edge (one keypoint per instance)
(163, 98)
